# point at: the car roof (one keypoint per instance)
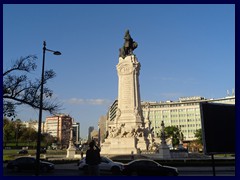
(138, 160)
(24, 157)
(100, 157)
(143, 160)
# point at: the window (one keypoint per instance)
(150, 164)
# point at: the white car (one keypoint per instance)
(106, 166)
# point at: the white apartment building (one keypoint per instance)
(34, 125)
(184, 114)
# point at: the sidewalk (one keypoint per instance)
(73, 166)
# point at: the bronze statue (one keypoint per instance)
(128, 46)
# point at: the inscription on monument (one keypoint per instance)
(126, 92)
(125, 69)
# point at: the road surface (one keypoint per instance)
(72, 170)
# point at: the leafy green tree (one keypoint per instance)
(19, 88)
(17, 129)
(29, 135)
(173, 132)
(8, 131)
(198, 136)
(48, 139)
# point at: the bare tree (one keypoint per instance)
(19, 89)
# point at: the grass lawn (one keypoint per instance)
(11, 154)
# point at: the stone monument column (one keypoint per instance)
(71, 149)
(129, 103)
(164, 152)
(129, 134)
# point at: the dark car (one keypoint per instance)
(43, 151)
(147, 167)
(23, 152)
(29, 164)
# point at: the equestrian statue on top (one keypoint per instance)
(128, 46)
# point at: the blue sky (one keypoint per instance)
(184, 50)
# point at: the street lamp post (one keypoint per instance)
(40, 108)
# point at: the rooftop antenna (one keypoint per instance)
(233, 92)
(227, 92)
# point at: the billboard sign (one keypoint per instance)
(218, 128)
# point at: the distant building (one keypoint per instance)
(34, 125)
(102, 125)
(76, 132)
(112, 111)
(90, 129)
(59, 127)
(111, 115)
(184, 114)
(95, 136)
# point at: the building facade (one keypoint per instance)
(34, 125)
(59, 127)
(112, 112)
(76, 133)
(90, 129)
(102, 126)
(184, 114)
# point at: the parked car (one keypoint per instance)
(23, 152)
(147, 167)
(29, 164)
(43, 151)
(106, 166)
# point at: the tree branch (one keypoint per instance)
(20, 90)
(21, 65)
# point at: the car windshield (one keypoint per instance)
(25, 160)
(144, 163)
(106, 160)
(103, 159)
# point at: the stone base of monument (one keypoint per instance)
(164, 152)
(71, 151)
(142, 143)
(119, 146)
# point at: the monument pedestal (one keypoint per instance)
(164, 152)
(119, 146)
(71, 151)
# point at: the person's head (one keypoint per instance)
(91, 145)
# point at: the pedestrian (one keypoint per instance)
(93, 159)
(81, 154)
(132, 156)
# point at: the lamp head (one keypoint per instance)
(57, 53)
